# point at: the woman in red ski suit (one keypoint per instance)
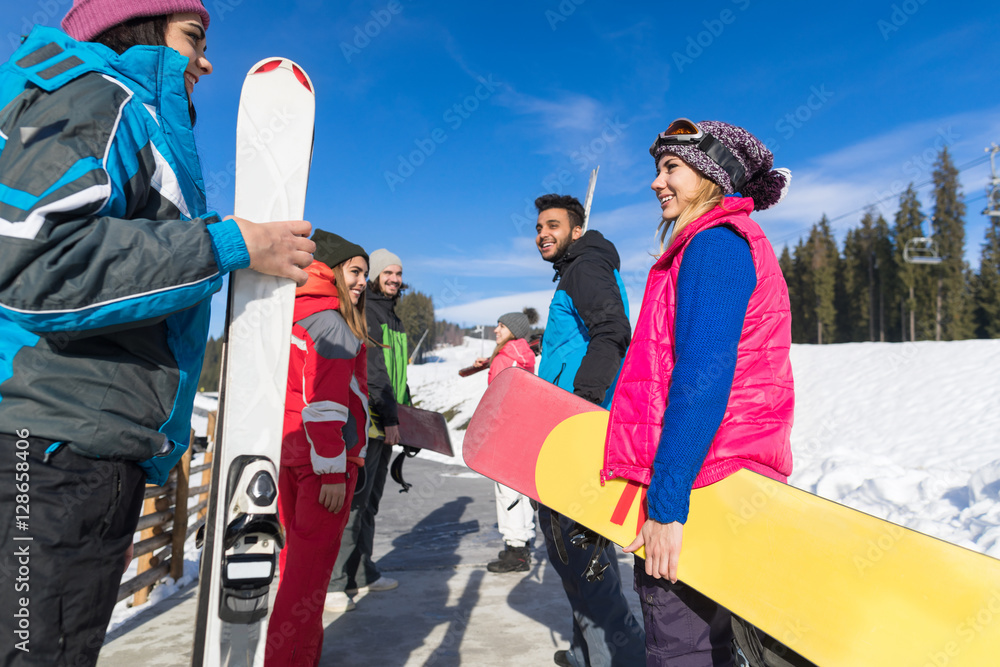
(324, 442)
(515, 516)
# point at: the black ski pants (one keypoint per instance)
(355, 567)
(66, 526)
(605, 632)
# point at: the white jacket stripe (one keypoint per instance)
(325, 411)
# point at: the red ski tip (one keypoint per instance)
(268, 66)
(301, 76)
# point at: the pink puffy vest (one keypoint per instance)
(756, 428)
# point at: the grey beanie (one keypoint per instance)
(380, 260)
(518, 324)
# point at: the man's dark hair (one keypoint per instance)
(144, 31)
(571, 204)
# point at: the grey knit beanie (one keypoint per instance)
(381, 259)
(518, 324)
(766, 186)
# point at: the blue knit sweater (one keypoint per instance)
(714, 285)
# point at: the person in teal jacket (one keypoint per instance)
(108, 259)
(586, 336)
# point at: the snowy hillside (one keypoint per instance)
(908, 432)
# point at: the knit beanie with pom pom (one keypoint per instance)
(766, 186)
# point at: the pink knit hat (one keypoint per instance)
(87, 19)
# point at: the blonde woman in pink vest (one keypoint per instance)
(706, 386)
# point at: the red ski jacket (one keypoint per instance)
(326, 403)
(515, 353)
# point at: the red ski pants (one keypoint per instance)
(312, 540)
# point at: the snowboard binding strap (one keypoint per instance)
(582, 537)
(253, 536)
(396, 471)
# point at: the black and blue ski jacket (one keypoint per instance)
(588, 330)
(108, 259)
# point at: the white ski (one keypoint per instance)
(274, 135)
(590, 197)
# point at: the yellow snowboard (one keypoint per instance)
(836, 585)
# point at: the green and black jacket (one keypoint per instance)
(386, 371)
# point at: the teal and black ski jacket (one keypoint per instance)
(387, 386)
(107, 255)
(588, 331)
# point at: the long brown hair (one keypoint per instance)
(503, 341)
(353, 314)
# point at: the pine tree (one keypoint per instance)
(866, 283)
(416, 311)
(802, 317)
(952, 288)
(789, 270)
(886, 282)
(817, 262)
(853, 293)
(988, 283)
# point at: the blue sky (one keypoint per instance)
(854, 97)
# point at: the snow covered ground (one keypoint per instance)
(908, 432)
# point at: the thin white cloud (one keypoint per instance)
(634, 218)
(568, 111)
(486, 311)
(519, 260)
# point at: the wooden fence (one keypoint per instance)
(166, 523)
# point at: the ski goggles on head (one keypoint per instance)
(681, 131)
(684, 132)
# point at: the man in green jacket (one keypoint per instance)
(354, 571)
